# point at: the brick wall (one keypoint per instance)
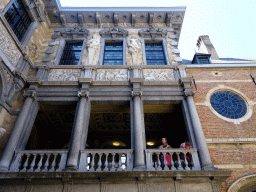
(231, 146)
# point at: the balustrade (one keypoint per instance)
(39, 161)
(107, 160)
(172, 160)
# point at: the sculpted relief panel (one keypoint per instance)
(64, 75)
(112, 75)
(8, 46)
(158, 75)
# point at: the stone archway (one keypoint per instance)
(244, 184)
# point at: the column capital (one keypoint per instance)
(83, 94)
(30, 93)
(136, 93)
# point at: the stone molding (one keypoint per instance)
(242, 182)
(114, 32)
(248, 101)
(74, 33)
(152, 33)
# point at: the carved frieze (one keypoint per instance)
(114, 32)
(158, 75)
(64, 75)
(112, 75)
(153, 32)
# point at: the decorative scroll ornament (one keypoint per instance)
(83, 94)
(153, 33)
(114, 32)
(112, 75)
(158, 75)
(75, 32)
(133, 49)
(64, 75)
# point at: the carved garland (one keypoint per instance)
(152, 33)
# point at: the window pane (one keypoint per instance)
(18, 19)
(113, 54)
(155, 54)
(71, 53)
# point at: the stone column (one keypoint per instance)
(199, 135)
(196, 124)
(139, 158)
(17, 131)
(72, 162)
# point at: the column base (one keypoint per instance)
(70, 168)
(209, 168)
(140, 168)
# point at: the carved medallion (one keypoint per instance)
(112, 75)
(64, 75)
(158, 75)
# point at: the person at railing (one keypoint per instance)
(167, 156)
(185, 145)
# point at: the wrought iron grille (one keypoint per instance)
(155, 54)
(113, 54)
(18, 19)
(71, 53)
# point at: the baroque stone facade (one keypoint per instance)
(126, 102)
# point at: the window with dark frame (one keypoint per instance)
(113, 53)
(71, 53)
(203, 60)
(18, 19)
(155, 54)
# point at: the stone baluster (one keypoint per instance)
(99, 163)
(186, 162)
(92, 163)
(16, 132)
(106, 163)
(25, 165)
(31, 169)
(120, 163)
(45, 169)
(40, 163)
(159, 168)
(179, 165)
(113, 163)
(172, 162)
(72, 162)
(63, 160)
(53, 163)
(165, 162)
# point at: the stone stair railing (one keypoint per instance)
(106, 160)
(39, 161)
(179, 160)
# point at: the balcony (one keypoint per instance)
(104, 160)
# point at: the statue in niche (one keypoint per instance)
(133, 49)
(92, 46)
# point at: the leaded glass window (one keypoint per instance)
(113, 54)
(71, 53)
(228, 104)
(155, 54)
(18, 19)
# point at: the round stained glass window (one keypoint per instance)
(228, 104)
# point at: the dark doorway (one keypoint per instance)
(164, 121)
(109, 126)
(52, 128)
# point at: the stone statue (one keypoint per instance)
(133, 49)
(92, 46)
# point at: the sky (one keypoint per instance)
(230, 24)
